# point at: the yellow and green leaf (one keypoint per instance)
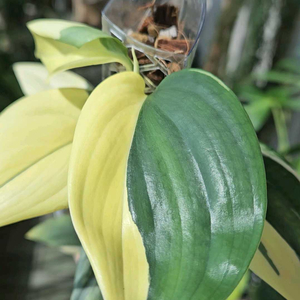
(276, 260)
(35, 143)
(33, 78)
(97, 179)
(63, 45)
(283, 184)
(277, 264)
(190, 192)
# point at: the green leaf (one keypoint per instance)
(289, 64)
(36, 135)
(293, 104)
(279, 77)
(85, 284)
(295, 149)
(55, 232)
(249, 93)
(258, 112)
(63, 45)
(296, 165)
(196, 187)
(280, 93)
(283, 185)
(32, 78)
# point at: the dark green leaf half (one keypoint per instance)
(57, 231)
(77, 36)
(283, 198)
(196, 187)
(85, 284)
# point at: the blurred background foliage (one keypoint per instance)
(253, 45)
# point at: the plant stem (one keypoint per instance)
(281, 129)
(136, 67)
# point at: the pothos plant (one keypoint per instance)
(167, 192)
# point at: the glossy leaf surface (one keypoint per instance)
(196, 187)
(97, 177)
(63, 45)
(36, 134)
(32, 78)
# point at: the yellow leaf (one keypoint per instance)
(97, 185)
(36, 134)
(63, 45)
(32, 78)
(135, 265)
(39, 190)
(277, 264)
